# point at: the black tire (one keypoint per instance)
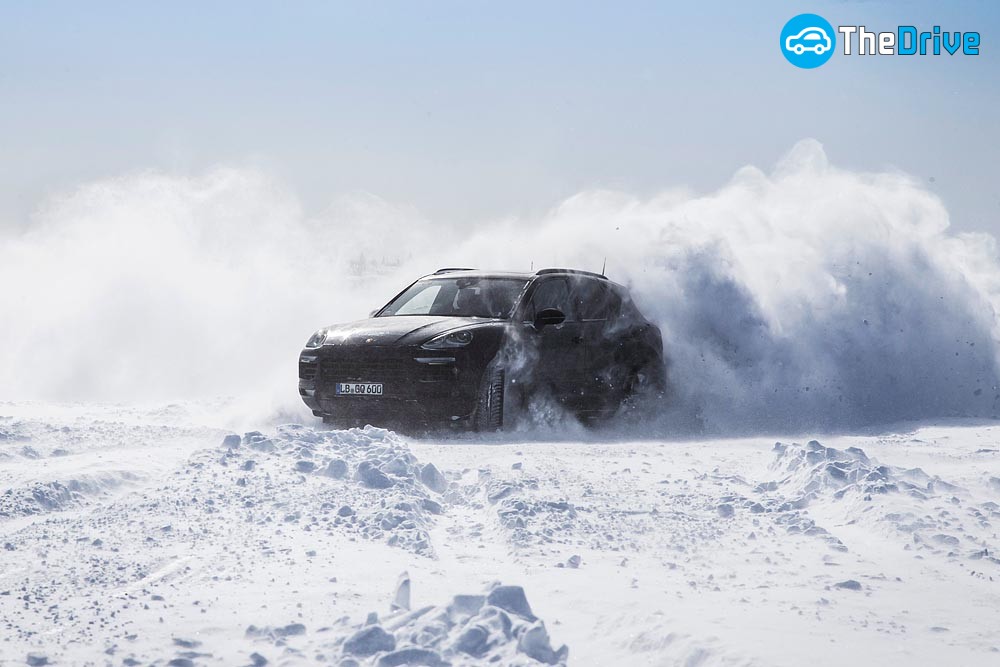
(489, 409)
(644, 386)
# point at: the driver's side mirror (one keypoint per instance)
(547, 316)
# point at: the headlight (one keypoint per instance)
(449, 340)
(317, 339)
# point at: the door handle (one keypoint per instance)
(577, 339)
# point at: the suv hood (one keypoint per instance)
(396, 330)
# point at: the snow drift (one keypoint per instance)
(297, 545)
(809, 296)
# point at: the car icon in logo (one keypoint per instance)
(809, 39)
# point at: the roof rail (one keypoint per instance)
(449, 269)
(542, 272)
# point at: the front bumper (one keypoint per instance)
(419, 387)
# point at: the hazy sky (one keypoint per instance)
(469, 110)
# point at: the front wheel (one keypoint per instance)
(489, 408)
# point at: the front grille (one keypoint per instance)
(393, 371)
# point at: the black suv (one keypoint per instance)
(479, 349)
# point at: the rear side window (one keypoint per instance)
(594, 301)
(629, 310)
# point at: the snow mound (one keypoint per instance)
(365, 481)
(932, 514)
(494, 627)
(813, 469)
(59, 495)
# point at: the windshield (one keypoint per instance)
(467, 296)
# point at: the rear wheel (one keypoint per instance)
(644, 385)
(489, 409)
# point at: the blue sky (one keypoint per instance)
(470, 110)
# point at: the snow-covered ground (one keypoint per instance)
(145, 536)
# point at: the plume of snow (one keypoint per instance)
(808, 296)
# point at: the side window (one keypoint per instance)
(552, 293)
(629, 310)
(613, 305)
(595, 302)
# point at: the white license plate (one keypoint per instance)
(359, 389)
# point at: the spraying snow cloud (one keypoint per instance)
(810, 296)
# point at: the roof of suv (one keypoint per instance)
(514, 274)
